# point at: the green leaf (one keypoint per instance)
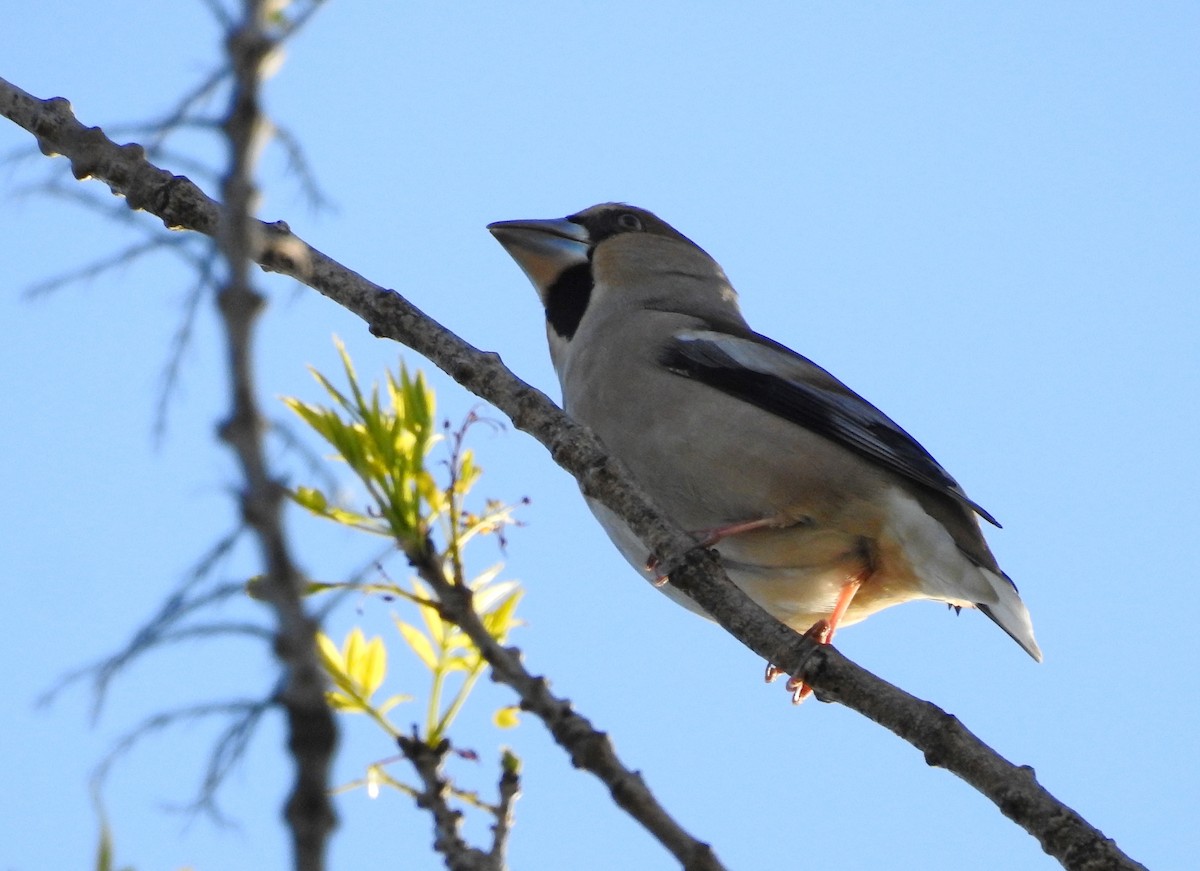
(332, 391)
(510, 762)
(456, 639)
(104, 850)
(356, 670)
(311, 498)
(384, 434)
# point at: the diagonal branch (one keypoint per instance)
(181, 205)
(590, 749)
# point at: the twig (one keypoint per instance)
(427, 761)
(243, 715)
(124, 257)
(180, 342)
(509, 789)
(157, 631)
(297, 164)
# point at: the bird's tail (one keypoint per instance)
(1010, 613)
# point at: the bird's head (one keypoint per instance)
(614, 257)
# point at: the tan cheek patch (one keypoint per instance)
(630, 257)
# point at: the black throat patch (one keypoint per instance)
(567, 299)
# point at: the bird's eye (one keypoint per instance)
(629, 221)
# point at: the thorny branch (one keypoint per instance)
(943, 740)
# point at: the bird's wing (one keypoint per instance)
(764, 373)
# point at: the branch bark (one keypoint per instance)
(945, 743)
(448, 840)
(590, 749)
(312, 732)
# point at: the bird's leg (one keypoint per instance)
(822, 633)
(775, 521)
(709, 537)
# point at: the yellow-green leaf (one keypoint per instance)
(391, 702)
(352, 649)
(433, 620)
(500, 621)
(459, 663)
(342, 702)
(510, 762)
(507, 717)
(331, 657)
(418, 642)
(370, 667)
(311, 498)
(488, 594)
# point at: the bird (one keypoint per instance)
(821, 508)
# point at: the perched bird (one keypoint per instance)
(823, 510)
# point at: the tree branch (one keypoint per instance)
(945, 743)
(509, 789)
(459, 855)
(312, 733)
(590, 749)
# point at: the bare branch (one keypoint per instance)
(182, 115)
(219, 12)
(180, 204)
(228, 751)
(296, 23)
(159, 630)
(427, 761)
(509, 789)
(180, 342)
(589, 748)
(85, 198)
(243, 714)
(297, 163)
(312, 732)
(124, 257)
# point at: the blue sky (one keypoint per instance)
(983, 217)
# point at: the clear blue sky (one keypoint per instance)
(984, 217)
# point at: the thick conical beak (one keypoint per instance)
(543, 249)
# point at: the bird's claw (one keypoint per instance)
(799, 689)
(652, 568)
(821, 632)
